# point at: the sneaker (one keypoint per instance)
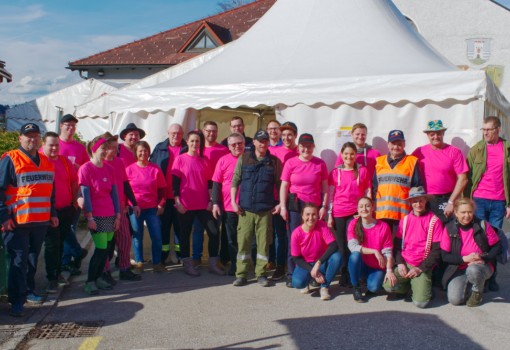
(305, 290)
(475, 299)
(358, 295)
(263, 281)
(34, 299)
(288, 282)
(107, 276)
(128, 275)
(325, 293)
(314, 283)
(102, 284)
(279, 273)
(239, 282)
(62, 281)
(17, 310)
(159, 268)
(90, 288)
(52, 287)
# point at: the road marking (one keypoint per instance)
(90, 343)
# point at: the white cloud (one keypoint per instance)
(19, 15)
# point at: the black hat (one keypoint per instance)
(28, 128)
(68, 117)
(396, 135)
(304, 138)
(289, 126)
(131, 127)
(261, 135)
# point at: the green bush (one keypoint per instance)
(8, 141)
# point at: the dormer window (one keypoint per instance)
(202, 42)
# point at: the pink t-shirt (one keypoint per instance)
(100, 181)
(311, 245)
(448, 162)
(377, 237)
(491, 183)
(213, 154)
(364, 157)
(305, 178)
(345, 197)
(223, 174)
(120, 177)
(468, 242)
(174, 152)
(283, 154)
(194, 174)
(126, 155)
(145, 182)
(65, 175)
(74, 151)
(415, 240)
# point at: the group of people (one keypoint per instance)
(397, 222)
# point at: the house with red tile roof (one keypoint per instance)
(139, 59)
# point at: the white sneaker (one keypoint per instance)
(325, 293)
(305, 290)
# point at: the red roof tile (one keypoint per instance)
(163, 48)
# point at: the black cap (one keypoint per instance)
(304, 138)
(131, 127)
(69, 117)
(289, 126)
(28, 128)
(396, 135)
(261, 135)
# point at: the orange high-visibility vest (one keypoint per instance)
(393, 187)
(30, 201)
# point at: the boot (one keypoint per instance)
(189, 269)
(213, 266)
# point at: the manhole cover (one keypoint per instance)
(66, 330)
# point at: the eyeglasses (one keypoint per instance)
(487, 130)
(237, 144)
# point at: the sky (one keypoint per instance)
(39, 38)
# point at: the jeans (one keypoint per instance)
(358, 269)
(294, 222)
(186, 224)
(72, 247)
(154, 226)
(476, 275)
(198, 237)
(491, 211)
(23, 245)
(54, 242)
(301, 277)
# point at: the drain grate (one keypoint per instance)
(66, 330)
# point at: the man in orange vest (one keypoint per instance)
(27, 208)
(395, 174)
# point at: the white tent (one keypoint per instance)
(45, 110)
(326, 64)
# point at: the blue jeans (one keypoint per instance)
(72, 247)
(301, 277)
(154, 226)
(197, 239)
(491, 211)
(358, 269)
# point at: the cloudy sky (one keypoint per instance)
(39, 38)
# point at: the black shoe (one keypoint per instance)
(128, 275)
(71, 269)
(395, 297)
(240, 281)
(263, 281)
(279, 273)
(369, 295)
(288, 282)
(314, 283)
(107, 276)
(358, 295)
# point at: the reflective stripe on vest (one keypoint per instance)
(30, 201)
(393, 187)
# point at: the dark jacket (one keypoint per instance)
(161, 156)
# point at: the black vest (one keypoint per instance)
(258, 178)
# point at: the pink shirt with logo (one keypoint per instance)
(351, 188)
(311, 245)
(440, 167)
(145, 182)
(214, 153)
(468, 241)
(194, 174)
(65, 175)
(415, 240)
(120, 177)
(100, 181)
(74, 151)
(127, 156)
(305, 178)
(377, 237)
(366, 158)
(283, 154)
(223, 174)
(491, 183)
